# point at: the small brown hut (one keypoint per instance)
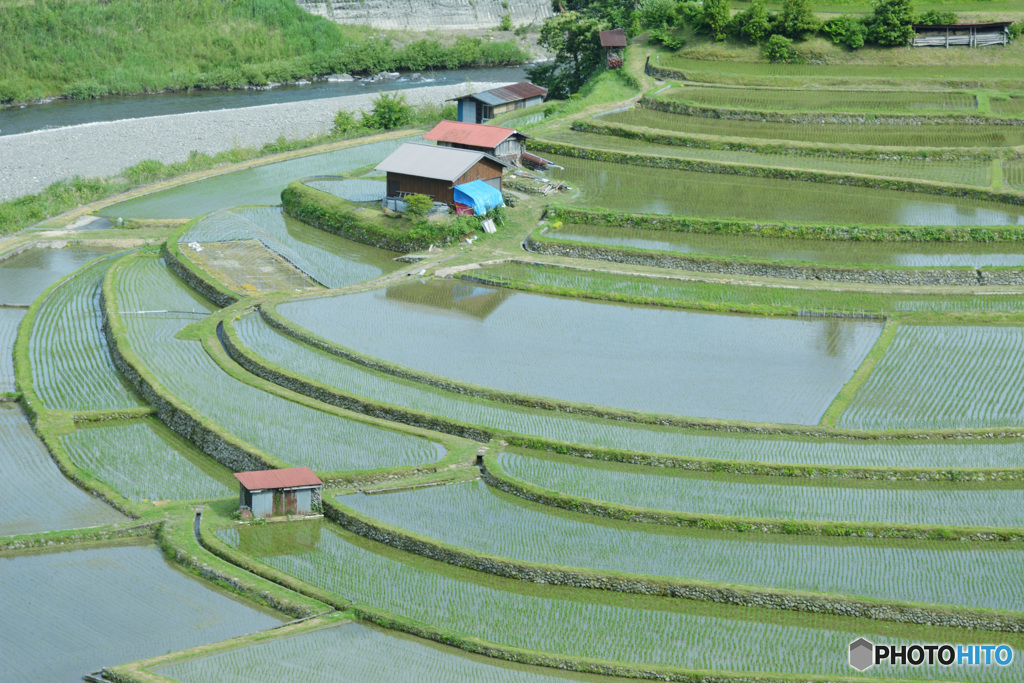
(614, 43)
(415, 168)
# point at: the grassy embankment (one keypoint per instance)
(123, 47)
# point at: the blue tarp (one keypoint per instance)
(478, 194)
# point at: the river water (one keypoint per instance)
(61, 113)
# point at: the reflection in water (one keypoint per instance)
(461, 297)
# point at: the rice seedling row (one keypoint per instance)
(324, 442)
(36, 495)
(352, 653)
(10, 318)
(1012, 105)
(823, 100)
(330, 260)
(653, 632)
(630, 357)
(967, 172)
(944, 72)
(838, 253)
(142, 465)
(599, 284)
(873, 134)
(1013, 173)
(107, 605)
(522, 531)
(258, 185)
(360, 381)
(775, 498)
(642, 189)
(25, 276)
(352, 189)
(936, 377)
(70, 361)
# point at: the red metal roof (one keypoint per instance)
(472, 134)
(278, 479)
(614, 38)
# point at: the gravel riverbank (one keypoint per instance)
(31, 161)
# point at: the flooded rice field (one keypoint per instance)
(24, 277)
(330, 260)
(70, 613)
(714, 195)
(257, 185)
(629, 357)
(36, 496)
(839, 253)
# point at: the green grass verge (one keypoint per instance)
(849, 390)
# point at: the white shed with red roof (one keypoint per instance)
(270, 493)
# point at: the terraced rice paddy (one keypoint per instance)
(1013, 173)
(25, 276)
(70, 613)
(824, 252)
(963, 172)
(10, 318)
(775, 498)
(637, 189)
(36, 495)
(703, 69)
(685, 292)
(627, 357)
(873, 134)
(944, 377)
(144, 463)
(525, 532)
(329, 443)
(247, 266)
(354, 653)
(352, 189)
(258, 185)
(648, 631)
(822, 100)
(1007, 106)
(330, 260)
(71, 364)
(358, 380)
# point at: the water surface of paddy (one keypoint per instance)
(25, 276)
(918, 254)
(629, 357)
(637, 189)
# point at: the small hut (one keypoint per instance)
(271, 493)
(481, 107)
(415, 168)
(504, 143)
(971, 35)
(614, 43)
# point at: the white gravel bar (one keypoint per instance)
(31, 161)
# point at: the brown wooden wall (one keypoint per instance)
(441, 190)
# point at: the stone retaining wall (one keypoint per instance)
(217, 296)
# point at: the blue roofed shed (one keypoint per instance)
(478, 194)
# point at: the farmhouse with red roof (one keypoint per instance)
(504, 143)
(270, 493)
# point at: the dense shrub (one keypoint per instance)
(418, 205)
(891, 22)
(715, 18)
(752, 24)
(797, 19)
(778, 49)
(390, 111)
(845, 30)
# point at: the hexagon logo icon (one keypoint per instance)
(862, 654)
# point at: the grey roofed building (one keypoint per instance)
(431, 161)
(483, 106)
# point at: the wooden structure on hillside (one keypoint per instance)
(272, 493)
(506, 144)
(971, 35)
(614, 43)
(481, 107)
(416, 168)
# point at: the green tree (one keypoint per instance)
(656, 13)
(891, 22)
(797, 19)
(845, 30)
(390, 111)
(418, 205)
(778, 49)
(753, 22)
(715, 18)
(344, 122)
(576, 42)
